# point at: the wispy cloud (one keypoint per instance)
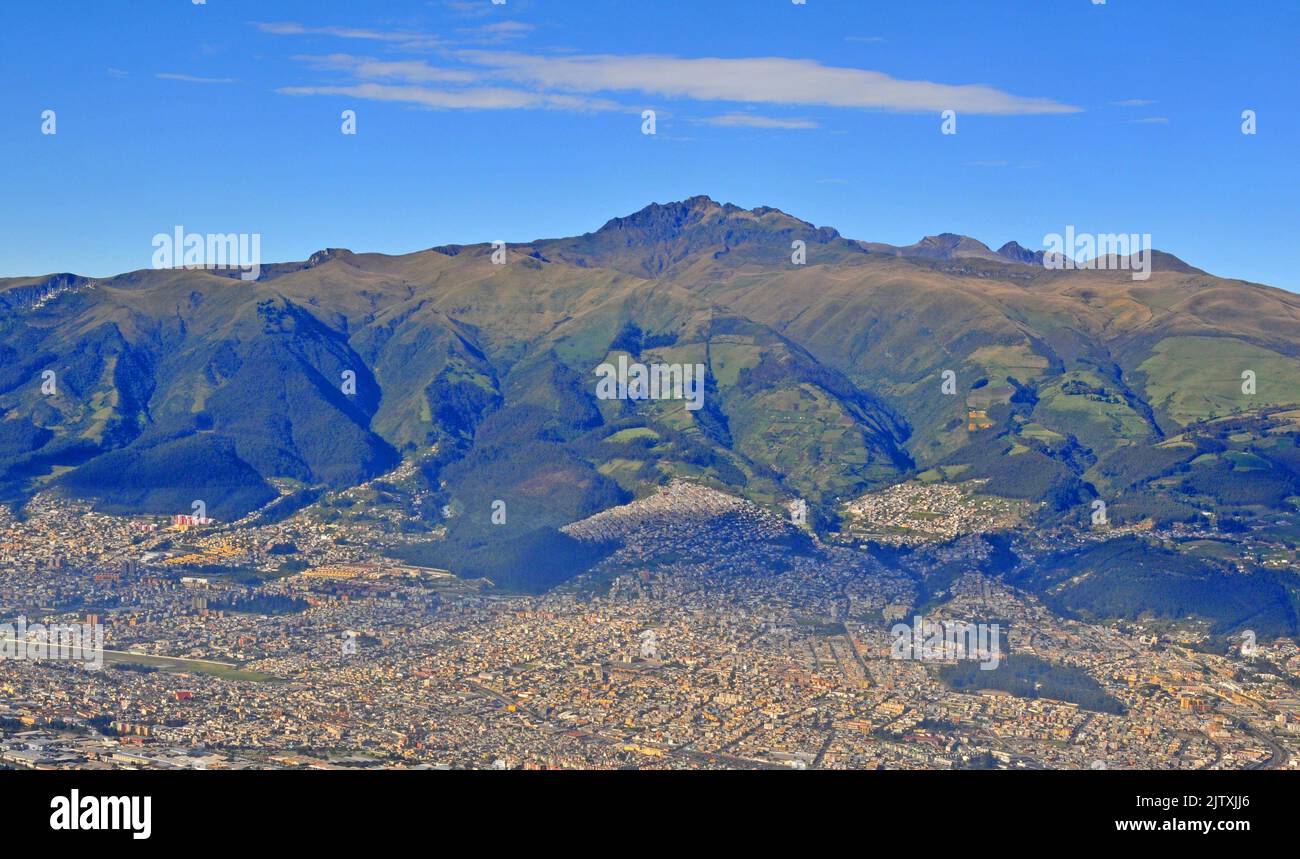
(410, 71)
(496, 33)
(473, 98)
(469, 8)
(407, 39)
(377, 81)
(502, 79)
(1151, 120)
(749, 120)
(1133, 102)
(193, 79)
(764, 80)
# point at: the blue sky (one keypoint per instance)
(478, 121)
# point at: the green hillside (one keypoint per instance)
(823, 377)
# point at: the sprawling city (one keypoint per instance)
(298, 645)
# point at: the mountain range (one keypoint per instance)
(859, 366)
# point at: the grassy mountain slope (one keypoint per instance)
(825, 375)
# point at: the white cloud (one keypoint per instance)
(402, 38)
(761, 80)
(175, 76)
(368, 71)
(562, 81)
(749, 120)
(474, 98)
(410, 71)
(498, 32)
(470, 8)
